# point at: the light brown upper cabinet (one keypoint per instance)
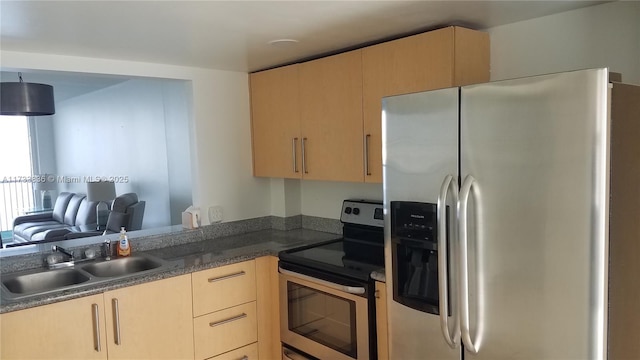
(275, 122)
(331, 117)
(447, 57)
(307, 119)
(321, 119)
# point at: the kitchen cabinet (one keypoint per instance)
(381, 321)
(307, 119)
(151, 320)
(72, 329)
(321, 119)
(331, 117)
(268, 306)
(442, 58)
(249, 352)
(223, 287)
(225, 309)
(275, 122)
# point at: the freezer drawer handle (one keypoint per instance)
(463, 208)
(443, 257)
(357, 290)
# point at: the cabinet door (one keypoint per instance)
(72, 329)
(447, 57)
(223, 287)
(331, 117)
(381, 321)
(225, 330)
(151, 321)
(275, 122)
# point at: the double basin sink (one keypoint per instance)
(31, 283)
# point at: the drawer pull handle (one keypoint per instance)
(244, 358)
(226, 321)
(96, 326)
(116, 321)
(226, 276)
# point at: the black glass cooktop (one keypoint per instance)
(346, 257)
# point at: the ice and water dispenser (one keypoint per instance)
(414, 231)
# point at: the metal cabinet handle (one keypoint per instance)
(293, 150)
(244, 358)
(225, 277)
(304, 156)
(463, 209)
(357, 290)
(116, 321)
(290, 355)
(443, 258)
(367, 139)
(226, 321)
(96, 327)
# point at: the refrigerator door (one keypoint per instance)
(420, 149)
(534, 166)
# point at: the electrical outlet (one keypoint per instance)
(215, 214)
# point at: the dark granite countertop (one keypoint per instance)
(187, 258)
(379, 275)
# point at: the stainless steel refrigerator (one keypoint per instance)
(511, 220)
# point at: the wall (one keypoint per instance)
(219, 133)
(121, 131)
(596, 36)
(606, 35)
(603, 35)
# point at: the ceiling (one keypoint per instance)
(234, 35)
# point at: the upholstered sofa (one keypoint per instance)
(74, 216)
(126, 211)
(71, 212)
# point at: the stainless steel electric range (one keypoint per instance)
(327, 299)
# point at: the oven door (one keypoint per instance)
(324, 319)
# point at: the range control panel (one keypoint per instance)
(362, 212)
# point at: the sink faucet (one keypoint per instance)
(107, 249)
(55, 248)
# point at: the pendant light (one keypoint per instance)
(28, 99)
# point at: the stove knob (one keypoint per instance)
(356, 211)
(347, 210)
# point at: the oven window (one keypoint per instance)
(324, 318)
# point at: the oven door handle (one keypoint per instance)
(357, 290)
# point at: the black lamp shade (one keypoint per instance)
(29, 99)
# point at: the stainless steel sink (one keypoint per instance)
(36, 282)
(122, 266)
(41, 282)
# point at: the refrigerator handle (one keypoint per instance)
(443, 257)
(463, 204)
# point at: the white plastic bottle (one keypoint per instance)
(124, 248)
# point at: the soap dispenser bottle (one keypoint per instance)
(124, 248)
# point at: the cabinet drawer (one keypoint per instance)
(249, 352)
(225, 330)
(223, 287)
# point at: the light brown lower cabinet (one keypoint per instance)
(64, 330)
(236, 318)
(381, 321)
(148, 321)
(249, 352)
(225, 330)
